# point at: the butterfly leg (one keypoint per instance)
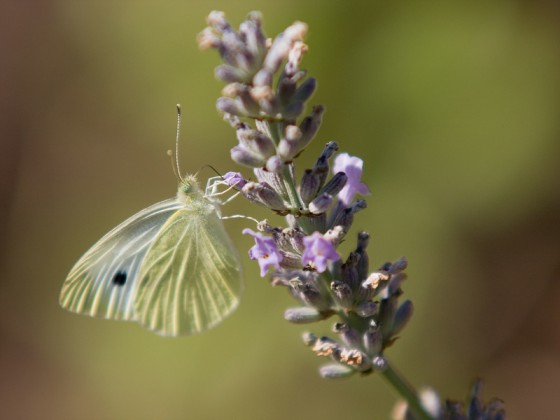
(212, 185)
(240, 216)
(212, 188)
(232, 197)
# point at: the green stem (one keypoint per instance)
(289, 183)
(406, 391)
(276, 130)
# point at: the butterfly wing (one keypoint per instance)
(104, 281)
(190, 279)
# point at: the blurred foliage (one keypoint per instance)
(452, 105)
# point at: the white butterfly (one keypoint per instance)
(170, 267)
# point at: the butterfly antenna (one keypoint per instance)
(214, 169)
(175, 164)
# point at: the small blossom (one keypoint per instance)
(317, 251)
(352, 167)
(234, 179)
(264, 250)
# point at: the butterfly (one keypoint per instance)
(171, 267)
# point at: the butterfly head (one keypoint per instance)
(189, 185)
(189, 192)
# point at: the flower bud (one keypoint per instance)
(387, 313)
(281, 46)
(321, 204)
(309, 295)
(263, 78)
(349, 275)
(305, 90)
(274, 164)
(233, 120)
(342, 293)
(336, 371)
(262, 93)
(345, 216)
(430, 401)
(286, 89)
(349, 335)
(295, 56)
(398, 266)
(310, 124)
(309, 339)
(246, 157)
(274, 179)
(309, 186)
(330, 148)
(373, 341)
(321, 169)
(256, 141)
(379, 364)
(367, 309)
(248, 102)
(335, 235)
(363, 263)
(217, 19)
(303, 315)
(395, 283)
(231, 106)
(297, 76)
(263, 193)
(253, 35)
(229, 74)
(287, 149)
(289, 145)
(291, 112)
(208, 39)
(294, 237)
(289, 260)
(269, 106)
(335, 184)
(403, 315)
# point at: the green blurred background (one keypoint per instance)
(453, 106)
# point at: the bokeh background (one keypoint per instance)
(454, 107)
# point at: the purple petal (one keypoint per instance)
(352, 167)
(234, 179)
(264, 251)
(318, 251)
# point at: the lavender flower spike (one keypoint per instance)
(264, 250)
(352, 167)
(264, 100)
(317, 251)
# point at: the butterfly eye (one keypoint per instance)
(119, 279)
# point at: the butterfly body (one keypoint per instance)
(170, 267)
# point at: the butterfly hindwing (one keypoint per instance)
(104, 281)
(191, 278)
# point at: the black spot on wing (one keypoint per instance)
(119, 279)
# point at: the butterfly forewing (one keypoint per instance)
(104, 281)
(190, 279)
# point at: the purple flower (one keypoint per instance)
(317, 251)
(352, 167)
(264, 250)
(235, 179)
